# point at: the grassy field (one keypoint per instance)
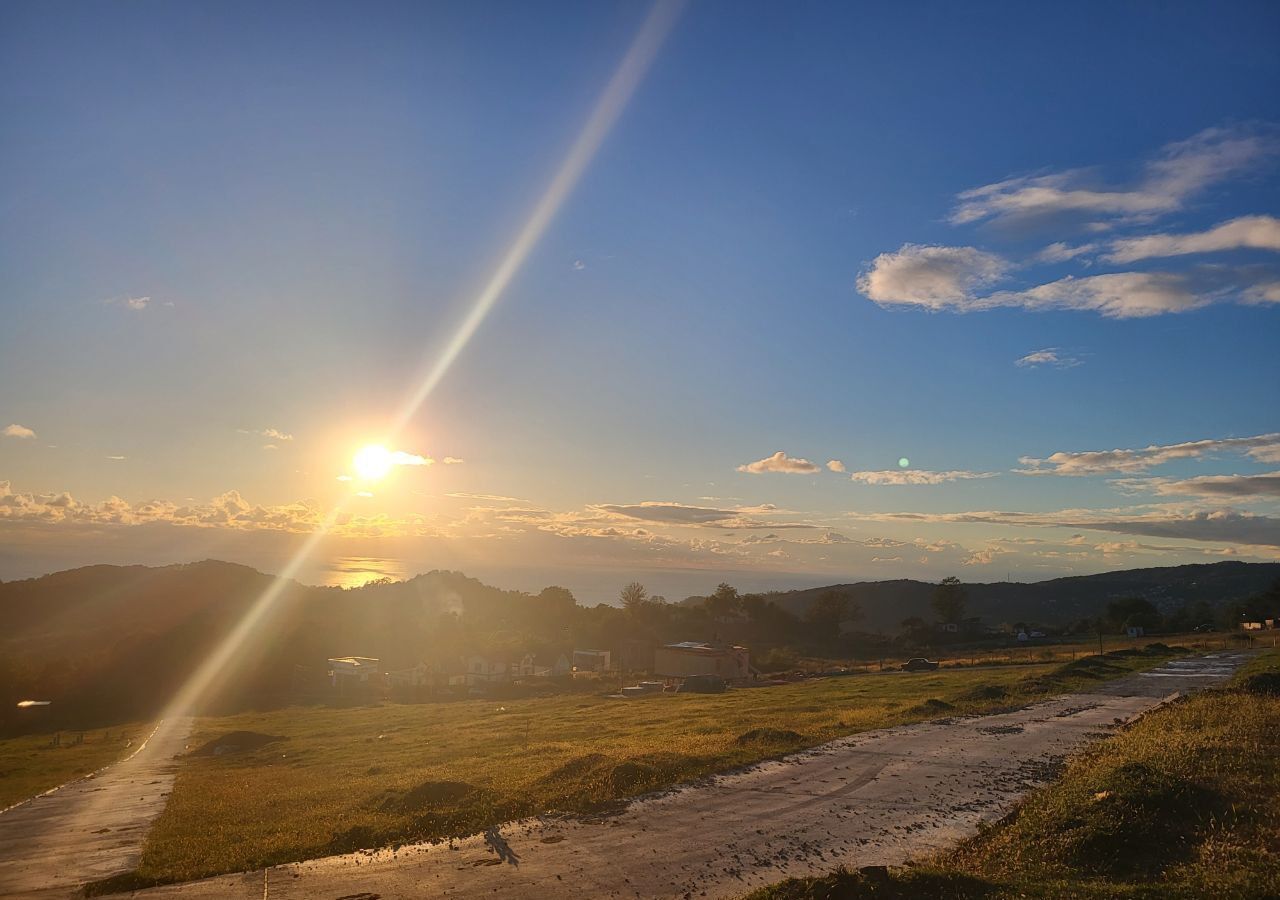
(1057, 650)
(30, 765)
(1184, 804)
(344, 779)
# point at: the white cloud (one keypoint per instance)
(116, 457)
(1050, 356)
(1181, 170)
(137, 303)
(1063, 252)
(1120, 295)
(932, 277)
(915, 476)
(835, 465)
(400, 458)
(452, 461)
(1262, 447)
(984, 557)
(780, 462)
(1257, 232)
(273, 434)
(19, 431)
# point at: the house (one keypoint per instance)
(351, 671)
(949, 627)
(562, 666)
(426, 675)
(591, 660)
(636, 655)
(700, 658)
(484, 670)
(1134, 631)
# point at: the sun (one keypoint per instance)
(372, 462)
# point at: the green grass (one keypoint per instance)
(29, 765)
(344, 779)
(1185, 803)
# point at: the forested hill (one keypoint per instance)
(1059, 601)
(116, 642)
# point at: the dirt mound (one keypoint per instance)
(237, 742)
(768, 736)
(1140, 820)
(932, 705)
(629, 775)
(358, 837)
(986, 692)
(426, 795)
(577, 767)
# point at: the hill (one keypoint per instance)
(1059, 601)
(107, 644)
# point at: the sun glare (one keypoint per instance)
(372, 462)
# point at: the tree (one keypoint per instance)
(828, 611)
(1133, 611)
(724, 602)
(949, 599)
(633, 595)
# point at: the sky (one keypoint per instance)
(776, 294)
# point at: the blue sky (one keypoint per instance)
(221, 220)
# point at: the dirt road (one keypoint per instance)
(874, 798)
(92, 828)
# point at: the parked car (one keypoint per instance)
(1203, 629)
(702, 684)
(919, 664)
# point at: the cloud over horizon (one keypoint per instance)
(780, 462)
(1262, 447)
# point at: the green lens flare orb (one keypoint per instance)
(904, 462)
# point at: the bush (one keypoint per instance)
(1266, 684)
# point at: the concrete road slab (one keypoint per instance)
(92, 828)
(875, 798)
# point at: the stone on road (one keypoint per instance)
(92, 828)
(876, 798)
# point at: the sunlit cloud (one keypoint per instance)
(117, 458)
(1216, 525)
(930, 277)
(273, 434)
(1255, 232)
(1242, 486)
(453, 461)
(1262, 447)
(1179, 172)
(19, 431)
(835, 465)
(780, 462)
(497, 498)
(901, 477)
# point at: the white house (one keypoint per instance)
(701, 658)
(352, 670)
(482, 670)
